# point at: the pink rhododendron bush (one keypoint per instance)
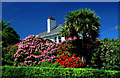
(33, 50)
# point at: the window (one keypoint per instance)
(55, 39)
(59, 39)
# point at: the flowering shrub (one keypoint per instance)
(110, 54)
(33, 50)
(8, 54)
(65, 56)
(68, 61)
(106, 56)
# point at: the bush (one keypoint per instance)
(65, 56)
(107, 55)
(111, 54)
(44, 72)
(33, 50)
(46, 64)
(85, 52)
(8, 54)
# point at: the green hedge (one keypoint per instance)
(38, 72)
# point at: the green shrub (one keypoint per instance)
(44, 72)
(46, 64)
(8, 54)
(107, 55)
(111, 54)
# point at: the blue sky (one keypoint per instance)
(30, 18)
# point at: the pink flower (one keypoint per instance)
(47, 43)
(40, 55)
(27, 53)
(20, 46)
(15, 59)
(36, 50)
(18, 55)
(25, 61)
(21, 52)
(48, 59)
(42, 47)
(22, 64)
(75, 37)
(36, 56)
(52, 57)
(45, 51)
(46, 56)
(40, 61)
(26, 46)
(32, 47)
(18, 66)
(14, 64)
(31, 64)
(15, 54)
(52, 45)
(43, 54)
(28, 56)
(30, 61)
(43, 60)
(52, 49)
(31, 55)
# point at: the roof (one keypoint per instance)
(54, 31)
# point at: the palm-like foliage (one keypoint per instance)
(83, 22)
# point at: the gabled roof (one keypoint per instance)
(54, 31)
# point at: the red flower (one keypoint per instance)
(74, 65)
(64, 66)
(80, 60)
(80, 64)
(60, 47)
(57, 60)
(77, 65)
(60, 52)
(74, 55)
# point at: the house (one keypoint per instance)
(53, 31)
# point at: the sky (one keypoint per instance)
(30, 18)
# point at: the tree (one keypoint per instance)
(83, 22)
(9, 35)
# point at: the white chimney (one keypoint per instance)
(51, 23)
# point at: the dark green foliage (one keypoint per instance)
(83, 21)
(107, 55)
(111, 54)
(44, 72)
(9, 35)
(46, 64)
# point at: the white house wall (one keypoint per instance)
(53, 38)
